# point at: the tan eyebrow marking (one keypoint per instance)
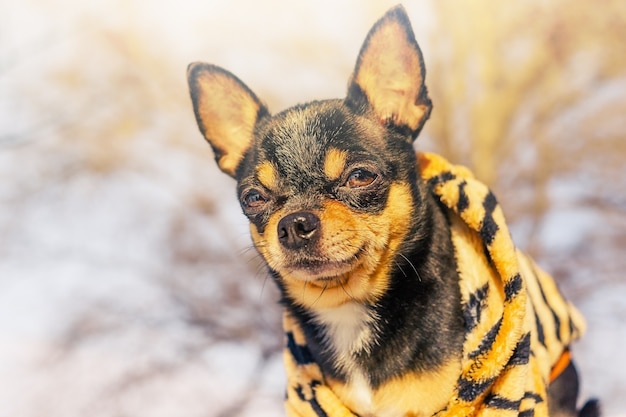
(266, 173)
(334, 163)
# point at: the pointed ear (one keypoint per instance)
(389, 74)
(226, 111)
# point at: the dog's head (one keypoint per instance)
(329, 187)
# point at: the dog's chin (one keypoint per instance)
(321, 273)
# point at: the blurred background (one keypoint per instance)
(128, 285)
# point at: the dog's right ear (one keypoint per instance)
(389, 75)
(226, 111)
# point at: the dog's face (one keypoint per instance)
(327, 200)
(329, 187)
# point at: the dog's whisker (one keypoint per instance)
(412, 266)
(400, 268)
(345, 290)
(321, 293)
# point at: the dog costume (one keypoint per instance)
(518, 326)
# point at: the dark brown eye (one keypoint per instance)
(253, 199)
(360, 178)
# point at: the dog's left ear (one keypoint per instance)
(227, 112)
(389, 75)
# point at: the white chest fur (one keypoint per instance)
(348, 331)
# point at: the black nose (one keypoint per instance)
(297, 230)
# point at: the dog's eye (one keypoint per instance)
(360, 178)
(253, 199)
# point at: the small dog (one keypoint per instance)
(365, 254)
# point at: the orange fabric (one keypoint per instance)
(560, 365)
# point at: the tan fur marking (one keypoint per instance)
(266, 174)
(334, 163)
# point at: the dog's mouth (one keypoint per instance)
(322, 271)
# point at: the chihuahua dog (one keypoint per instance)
(359, 247)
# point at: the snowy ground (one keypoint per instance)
(130, 290)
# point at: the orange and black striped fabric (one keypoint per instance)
(518, 325)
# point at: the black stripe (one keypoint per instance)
(538, 399)
(488, 256)
(470, 390)
(300, 392)
(533, 396)
(496, 401)
(463, 201)
(474, 307)
(314, 404)
(572, 328)
(489, 228)
(557, 321)
(490, 203)
(487, 342)
(441, 178)
(557, 325)
(521, 353)
(540, 335)
(513, 287)
(300, 353)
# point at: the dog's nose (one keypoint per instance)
(297, 230)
